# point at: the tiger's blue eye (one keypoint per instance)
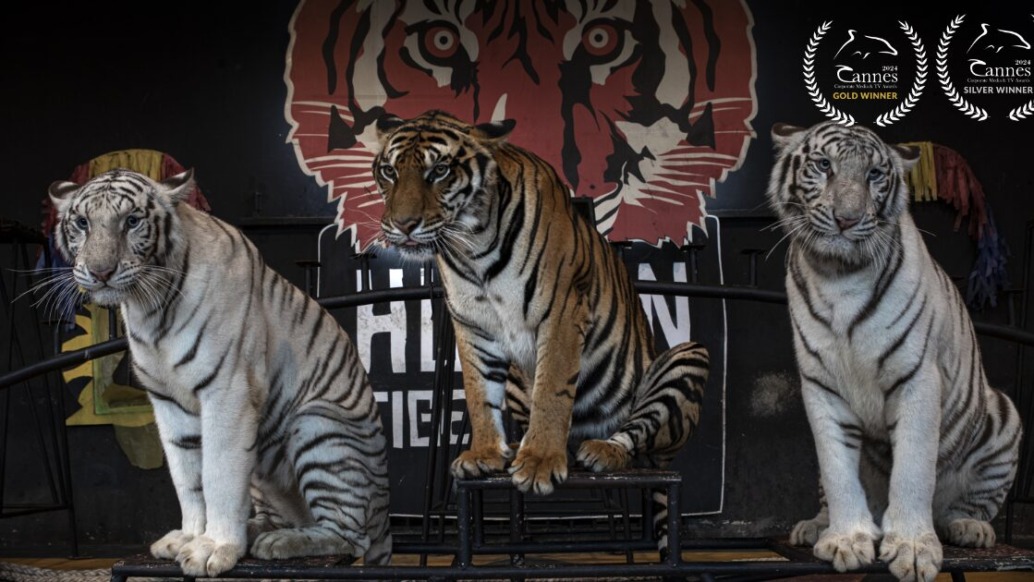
(132, 220)
(823, 164)
(875, 174)
(81, 223)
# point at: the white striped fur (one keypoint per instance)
(912, 442)
(254, 385)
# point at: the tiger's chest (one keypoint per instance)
(161, 374)
(494, 312)
(839, 321)
(172, 361)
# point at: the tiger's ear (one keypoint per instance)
(386, 124)
(493, 130)
(177, 188)
(783, 134)
(909, 155)
(61, 194)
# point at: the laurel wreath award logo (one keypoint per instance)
(998, 64)
(824, 106)
(866, 83)
(917, 87)
(947, 86)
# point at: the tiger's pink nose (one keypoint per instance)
(102, 275)
(846, 222)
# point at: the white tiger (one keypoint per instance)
(912, 442)
(252, 382)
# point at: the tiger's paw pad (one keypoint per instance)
(205, 557)
(807, 532)
(846, 551)
(168, 547)
(538, 473)
(971, 533)
(599, 456)
(471, 464)
(912, 559)
(296, 542)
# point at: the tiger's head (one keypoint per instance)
(838, 191)
(117, 231)
(436, 174)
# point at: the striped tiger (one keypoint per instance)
(254, 385)
(548, 324)
(912, 441)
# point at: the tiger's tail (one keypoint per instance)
(664, 417)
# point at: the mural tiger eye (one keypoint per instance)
(649, 104)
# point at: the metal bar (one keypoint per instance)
(674, 523)
(463, 527)
(407, 293)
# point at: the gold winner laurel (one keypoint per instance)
(917, 87)
(824, 106)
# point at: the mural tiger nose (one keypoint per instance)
(548, 324)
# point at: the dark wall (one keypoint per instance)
(204, 83)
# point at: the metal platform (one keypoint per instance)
(516, 557)
(791, 561)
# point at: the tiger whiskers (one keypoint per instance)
(791, 226)
(453, 235)
(808, 238)
(879, 245)
(154, 282)
(58, 293)
(148, 290)
(369, 220)
(53, 275)
(378, 239)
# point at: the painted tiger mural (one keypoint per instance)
(548, 323)
(912, 441)
(652, 101)
(253, 384)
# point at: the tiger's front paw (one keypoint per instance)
(205, 557)
(537, 472)
(912, 558)
(846, 550)
(599, 456)
(258, 526)
(314, 540)
(168, 547)
(971, 533)
(807, 532)
(471, 464)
